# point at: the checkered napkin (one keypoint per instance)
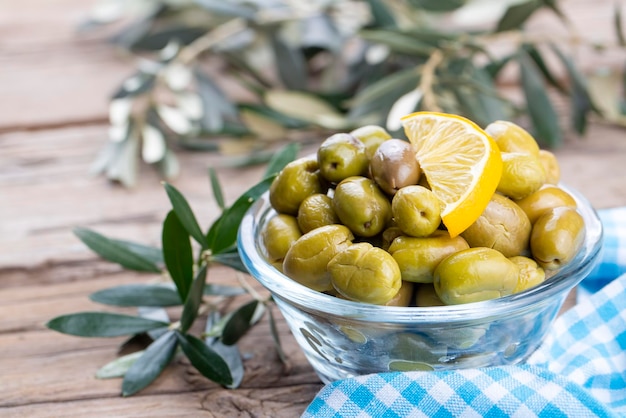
(579, 371)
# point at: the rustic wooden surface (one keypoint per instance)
(54, 86)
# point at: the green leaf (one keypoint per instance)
(226, 8)
(290, 64)
(230, 259)
(581, 102)
(177, 253)
(381, 15)
(536, 56)
(115, 251)
(150, 365)
(217, 189)
(217, 107)
(185, 214)
(617, 24)
(542, 114)
(102, 324)
(119, 366)
(137, 295)
(240, 321)
(378, 90)
(438, 5)
(229, 353)
(305, 106)
(223, 233)
(517, 14)
(397, 41)
(494, 67)
(276, 337)
(281, 118)
(279, 160)
(205, 360)
(153, 254)
(194, 300)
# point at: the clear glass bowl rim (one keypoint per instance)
(279, 285)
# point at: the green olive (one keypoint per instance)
(557, 237)
(365, 273)
(511, 137)
(418, 257)
(522, 174)
(544, 199)
(425, 296)
(474, 275)
(315, 211)
(416, 211)
(502, 226)
(404, 297)
(530, 274)
(550, 166)
(340, 156)
(306, 260)
(371, 136)
(296, 181)
(280, 232)
(361, 206)
(394, 166)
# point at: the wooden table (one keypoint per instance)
(54, 87)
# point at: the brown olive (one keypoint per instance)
(296, 181)
(416, 211)
(502, 226)
(340, 156)
(544, 199)
(364, 273)
(306, 260)
(315, 211)
(474, 275)
(557, 237)
(361, 206)
(280, 232)
(418, 257)
(394, 166)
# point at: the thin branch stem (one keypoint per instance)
(428, 80)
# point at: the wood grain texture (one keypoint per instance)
(55, 85)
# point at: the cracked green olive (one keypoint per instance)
(279, 234)
(511, 137)
(296, 181)
(550, 166)
(340, 156)
(474, 275)
(416, 211)
(364, 273)
(522, 174)
(557, 236)
(530, 273)
(418, 257)
(544, 199)
(394, 166)
(361, 206)
(308, 256)
(503, 226)
(315, 211)
(371, 136)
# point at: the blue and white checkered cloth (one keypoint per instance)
(579, 371)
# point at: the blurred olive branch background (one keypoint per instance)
(243, 77)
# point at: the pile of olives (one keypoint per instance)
(358, 221)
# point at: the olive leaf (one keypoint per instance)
(119, 366)
(185, 214)
(543, 116)
(229, 353)
(205, 359)
(617, 24)
(194, 299)
(534, 53)
(290, 63)
(138, 295)
(381, 15)
(150, 364)
(177, 253)
(517, 14)
(217, 189)
(117, 251)
(102, 324)
(240, 321)
(276, 337)
(438, 5)
(398, 41)
(280, 159)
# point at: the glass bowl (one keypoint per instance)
(341, 338)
